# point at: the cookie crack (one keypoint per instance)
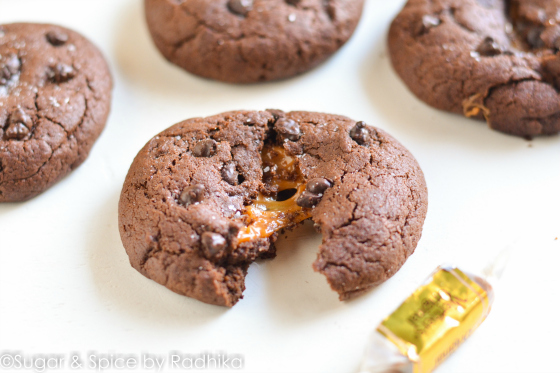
(40, 167)
(53, 151)
(184, 41)
(352, 256)
(201, 23)
(510, 82)
(330, 264)
(41, 116)
(199, 20)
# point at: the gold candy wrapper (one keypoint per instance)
(432, 323)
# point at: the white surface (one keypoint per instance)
(66, 285)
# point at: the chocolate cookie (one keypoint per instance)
(247, 41)
(208, 196)
(487, 59)
(55, 91)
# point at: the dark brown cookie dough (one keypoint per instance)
(194, 201)
(55, 92)
(487, 59)
(247, 41)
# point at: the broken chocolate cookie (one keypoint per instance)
(194, 220)
(55, 94)
(490, 60)
(248, 41)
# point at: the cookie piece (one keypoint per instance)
(487, 59)
(247, 41)
(55, 93)
(188, 223)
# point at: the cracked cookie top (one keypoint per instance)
(208, 196)
(247, 41)
(55, 90)
(495, 60)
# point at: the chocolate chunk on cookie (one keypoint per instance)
(488, 60)
(186, 223)
(318, 185)
(287, 129)
(248, 41)
(359, 133)
(9, 68)
(57, 37)
(205, 148)
(55, 93)
(241, 7)
(230, 174)
(213, 245)
(192, 194)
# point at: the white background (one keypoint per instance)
(65, 281)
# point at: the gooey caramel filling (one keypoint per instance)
(266, 213)
(474, 105)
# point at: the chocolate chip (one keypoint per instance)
(9, 68)
(277, 114)
(331, 9)
(360, 133)
(318, 185)
(192, 194)
(16, 131)
(19, 125)
(249, 122)
(241, 7)
(204, 148)
(308, 200)
(534, 37)
(213, 245)
(293, 2)
(13, 63)
(20, 116)
(429, 21)
(233, 230)
(314, 192)
(288, 129)
(61, 73)
(489, 48)
(57, 38)
(5, 76)
(229, 173)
